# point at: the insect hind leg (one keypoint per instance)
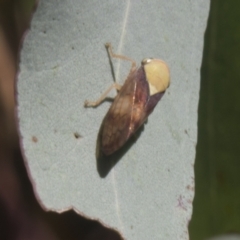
(103, 97)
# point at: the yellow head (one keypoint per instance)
(157, 74)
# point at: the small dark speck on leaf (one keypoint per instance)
(181, 202)
(34, 139)
(77, 135)
(190, 188)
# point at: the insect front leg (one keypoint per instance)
(102, 98)
(113, 55)
(115, 85)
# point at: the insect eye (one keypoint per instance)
(146, 61)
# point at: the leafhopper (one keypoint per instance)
(136, 99)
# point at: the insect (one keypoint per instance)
(136, 99)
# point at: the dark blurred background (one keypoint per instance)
(216, 207)
(21, 217)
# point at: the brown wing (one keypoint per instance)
(115, 129)
(126, 114)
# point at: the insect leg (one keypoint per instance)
(104, 95)
(113, 55)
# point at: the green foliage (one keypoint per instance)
(217, 199)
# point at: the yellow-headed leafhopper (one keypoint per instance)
(135, 100)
